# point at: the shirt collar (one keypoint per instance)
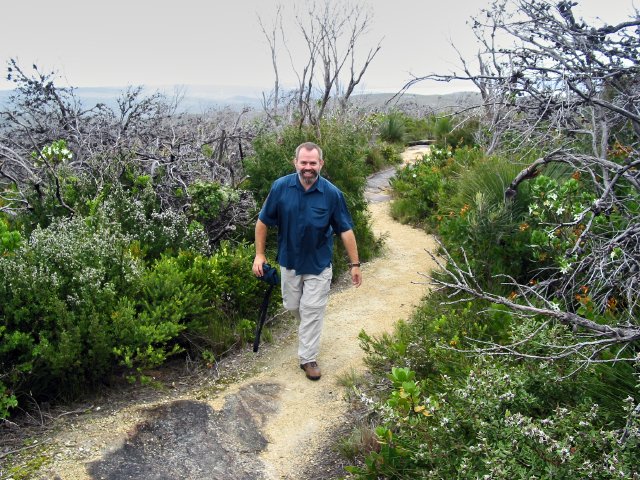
(294, 181)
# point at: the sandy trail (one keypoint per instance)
(391, 290)
(299, 414)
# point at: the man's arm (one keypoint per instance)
(349, 241)
(261, 245)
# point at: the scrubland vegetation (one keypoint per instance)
(116, 258)
(524, 362)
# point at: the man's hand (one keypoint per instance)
(257, 264)
(261, 240)
(356, 276)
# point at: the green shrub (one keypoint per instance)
(495, 424)
(493, 231)
(447, 414)
(149, 320)
(392, 128)
(429, 343)
(450, 134)
(9, 239)
(7, 400)
(418, 129)
(233, 296)
(419, 188)
(57, 292)
(382, 155)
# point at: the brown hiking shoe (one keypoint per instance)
(312, 370)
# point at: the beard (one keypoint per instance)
(307, 180)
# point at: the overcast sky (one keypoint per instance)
(211, 42)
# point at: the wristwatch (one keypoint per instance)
(357, 264)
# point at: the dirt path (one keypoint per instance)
(271, 424)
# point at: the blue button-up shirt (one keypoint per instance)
(306, 221)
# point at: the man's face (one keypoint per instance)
(308, 166)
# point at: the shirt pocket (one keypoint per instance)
(319, 216)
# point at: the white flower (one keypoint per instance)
(560, 210)
(565, 268)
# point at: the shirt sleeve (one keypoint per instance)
(269, 212)
(341, 221)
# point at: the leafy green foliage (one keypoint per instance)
(496, 422)
(501, 417)
(56, 295)
(77, 305)
(232, 293)
(421, 187)
(392, 128)
(210, 199)
(381, 155)
(7, 400)
(450, 134)
(9, 239)
(449, 415)
(461, 196)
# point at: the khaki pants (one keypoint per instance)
(306, 297)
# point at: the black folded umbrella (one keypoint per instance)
(270, 275)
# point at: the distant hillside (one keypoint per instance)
(198, 99)
(449, 101)
(194, 99)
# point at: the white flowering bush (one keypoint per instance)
(450, 414)
(57, 291)
(156, 230)
(495, 424)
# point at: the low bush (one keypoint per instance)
(488, 425)
(429, 344)
(78, 305)
(232, 293)
(444, 414)
(392, 128)
(450, 133)
(57, 293)
(420, 187)
(9, 239)
(382, 155)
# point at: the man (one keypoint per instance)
(307, 209)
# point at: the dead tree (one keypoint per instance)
(332, 32)
(143, 134)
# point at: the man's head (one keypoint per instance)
(308, 163)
